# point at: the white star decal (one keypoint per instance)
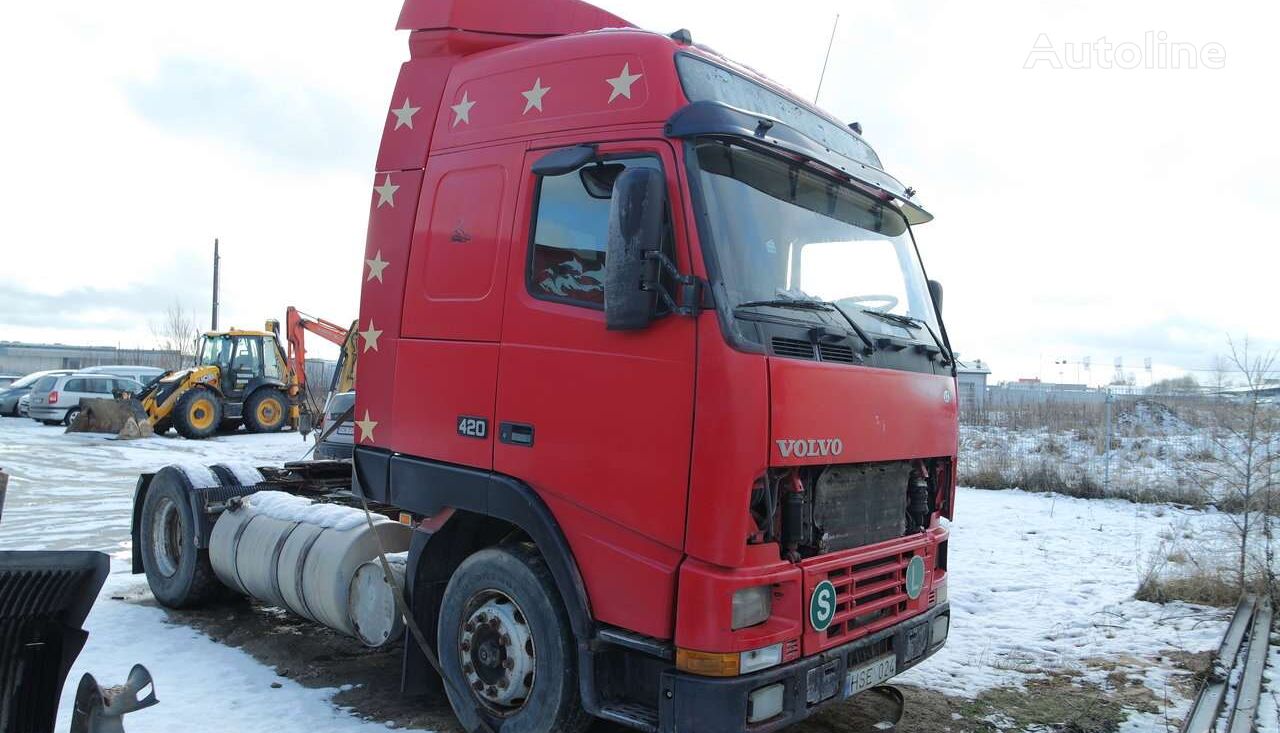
(370, 337)
(462, 110)
(533, 97)
(367, 427)
(404, 115)
(376, 266)
(622, 83)
(386, 192)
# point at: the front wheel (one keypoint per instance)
(506, 648)
(197, 413)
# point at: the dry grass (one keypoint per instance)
(1200, 587)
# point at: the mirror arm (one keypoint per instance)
(691, 286)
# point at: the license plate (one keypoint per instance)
(870, 674)
(346, 430)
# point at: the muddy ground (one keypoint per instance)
(369, 681)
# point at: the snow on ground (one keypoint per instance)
(1037, 583)
(1042, 583)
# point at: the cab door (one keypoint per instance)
(598, 422)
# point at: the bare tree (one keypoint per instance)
(1242, 480)
(176, 332)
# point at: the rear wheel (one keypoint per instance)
(178, 572)
(197, 413)
(266, 411)
(506, 647)
(72, 414)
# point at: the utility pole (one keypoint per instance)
(215, 285)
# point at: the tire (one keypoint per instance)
(197, 413)
(266, 411)
(512, 586)
(178, 572)
(72, 414)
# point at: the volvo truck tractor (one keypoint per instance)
(657, 415)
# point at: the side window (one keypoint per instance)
(246, 355)
(127, 385)
(74, 385)
(100, 386)
(271, 359)
(571, 231)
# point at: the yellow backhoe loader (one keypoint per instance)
(239, 378)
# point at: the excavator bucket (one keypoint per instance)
(125, 418)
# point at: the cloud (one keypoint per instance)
(92, 309)
(303, 126)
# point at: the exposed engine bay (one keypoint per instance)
(814, 510)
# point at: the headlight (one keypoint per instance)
(752, 606)
(941, 592)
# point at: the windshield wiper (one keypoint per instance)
(916, 323)
(907, 321)
(814, 305)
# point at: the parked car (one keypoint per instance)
(337, 445)
(10, 395)
(56, 398)
(8, 379)
(142, 374)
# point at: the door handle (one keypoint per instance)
(516, 433)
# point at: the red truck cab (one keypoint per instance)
(660, 329)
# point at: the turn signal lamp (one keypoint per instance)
(708, 664)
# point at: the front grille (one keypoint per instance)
(793, 348)
(870, 595)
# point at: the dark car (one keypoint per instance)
(10, 395)
(337, 444)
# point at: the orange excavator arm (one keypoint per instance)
(297, 324)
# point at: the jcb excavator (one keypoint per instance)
(239, 377)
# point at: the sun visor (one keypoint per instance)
(719, 119)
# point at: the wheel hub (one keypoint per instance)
(166, 538)
(497, 653)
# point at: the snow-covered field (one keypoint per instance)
(1038, 583)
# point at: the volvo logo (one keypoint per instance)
(810, 448)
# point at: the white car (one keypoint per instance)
(56, 398)
(141, 374)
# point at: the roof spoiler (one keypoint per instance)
(541, 18)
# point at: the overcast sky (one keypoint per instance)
(1096, 212)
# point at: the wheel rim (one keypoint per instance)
(72, 415)
(200, 416)
(166, 537)
(269, 412)
(497, 652)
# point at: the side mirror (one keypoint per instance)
(935, 291)
(636, 226)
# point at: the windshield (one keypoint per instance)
(214, 350)
(27, 381)
(782, 232)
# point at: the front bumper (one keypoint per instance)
(694, 704)
(46, 413)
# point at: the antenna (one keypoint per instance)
(826, 60)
